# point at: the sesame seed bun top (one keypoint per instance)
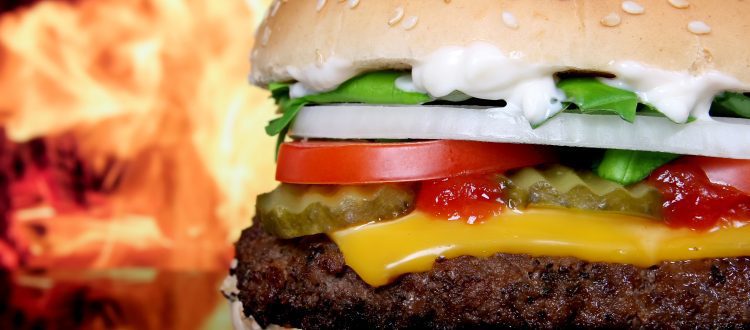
(679, 35)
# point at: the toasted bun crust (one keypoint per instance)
(570, 33)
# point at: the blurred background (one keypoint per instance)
(131, 151)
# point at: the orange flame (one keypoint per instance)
(155, 92)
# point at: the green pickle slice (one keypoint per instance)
(297, 210)
(293, 210)
(560, 186)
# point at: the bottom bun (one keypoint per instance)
(305, 283)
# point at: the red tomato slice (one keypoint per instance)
(731, 172)
(362, 162)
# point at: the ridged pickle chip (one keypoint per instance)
(297, 210)
(560, 186)
(293, 210)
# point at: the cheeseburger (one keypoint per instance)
(502, 164)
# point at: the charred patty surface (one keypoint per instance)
(305, 283)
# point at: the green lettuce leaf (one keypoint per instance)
(372, 88)
(279, 91)
(592, 96)
(279, 140)
(731, 105)
(629, 166)
(290, 108)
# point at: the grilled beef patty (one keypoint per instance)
(305, 283)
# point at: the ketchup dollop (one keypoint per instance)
(469, 198)
(691, 200)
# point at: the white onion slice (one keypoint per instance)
(723, 137)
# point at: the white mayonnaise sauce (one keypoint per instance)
(320, 77)
(483, 71)
(678, 95)
(406, 84)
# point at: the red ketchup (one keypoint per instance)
(691, 200)
(468, 198)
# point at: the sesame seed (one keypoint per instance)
(275, 7)
(699, 27)
(266, 35)
(410, 23)
(353, 3)
(679, 4)
(320, 5)
(510, 20)
(632, 7)
(447, 1)
(611, 20)
(398, 14)
(319, 59)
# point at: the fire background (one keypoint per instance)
(131, 151)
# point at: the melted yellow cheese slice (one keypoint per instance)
(380, 252)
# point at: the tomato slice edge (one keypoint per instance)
(325, 162)
(726, 171)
